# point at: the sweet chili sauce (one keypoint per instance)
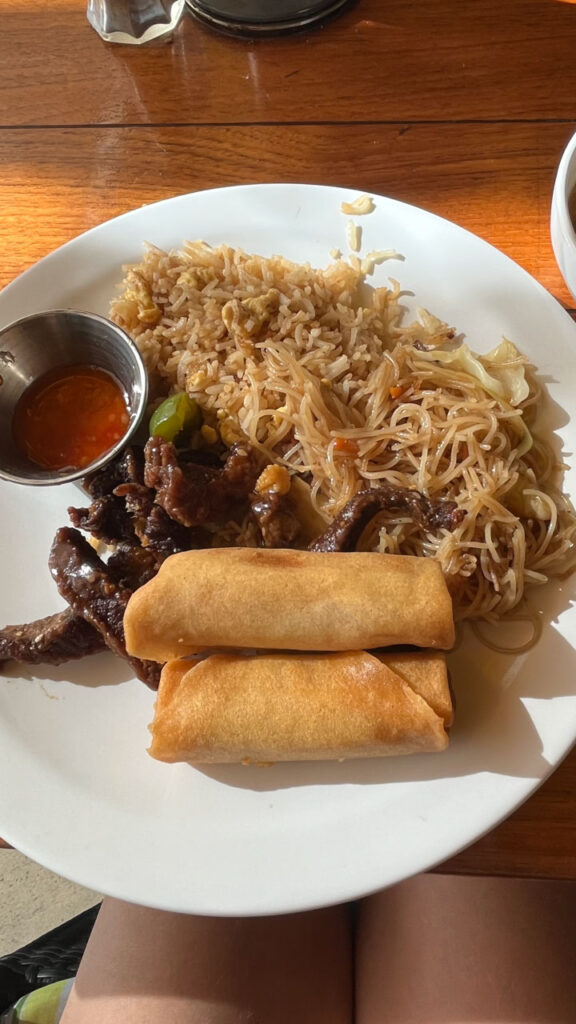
(69, 417)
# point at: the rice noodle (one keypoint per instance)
(330, 382)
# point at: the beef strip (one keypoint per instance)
(131, 566)
(202, 457)
(138, 502)
(276, 519)
(125, 512)
(51, 640)
(128, 467)
(240, 472)
(154, 527)
(115, 510)
(167, 537)
(85, 583)
(193, 494)
(164, 498)
(130, 514)
(344, 532)
(107, 518)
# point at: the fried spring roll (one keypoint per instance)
(288, 600)
(290, 707)
(427, 674)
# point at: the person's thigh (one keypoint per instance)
(443, 949)
(152, 967)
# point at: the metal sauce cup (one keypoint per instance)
(31, 347)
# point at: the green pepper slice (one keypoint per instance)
(176, 414)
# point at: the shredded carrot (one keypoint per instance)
(345, 446)
(396, 392)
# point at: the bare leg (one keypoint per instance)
(151, 967)
(449, 950)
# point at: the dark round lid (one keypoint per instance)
(250, 17)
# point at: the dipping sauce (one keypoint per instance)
(69, 417)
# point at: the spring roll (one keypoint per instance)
(427, 674)
(288, 600)
(289, 707)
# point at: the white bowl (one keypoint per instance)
(561, 227)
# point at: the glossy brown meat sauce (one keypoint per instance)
(153, 502)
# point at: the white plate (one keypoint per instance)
(78, 791)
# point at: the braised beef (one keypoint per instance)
(152, 503)
(84, 581)
(193, 494)
(182, 494)
(148, 506)
(344, 532)
(51, 640)
(202, 457)
(240, 471)
(276, 519)
(139, 502)
(128, 467)
(131, 566)
(107, 519)
(167, 537)
(153, 526)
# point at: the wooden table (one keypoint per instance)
(461, 108)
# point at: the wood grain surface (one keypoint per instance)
(59, 182)
(460, 108)
(381, 60)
